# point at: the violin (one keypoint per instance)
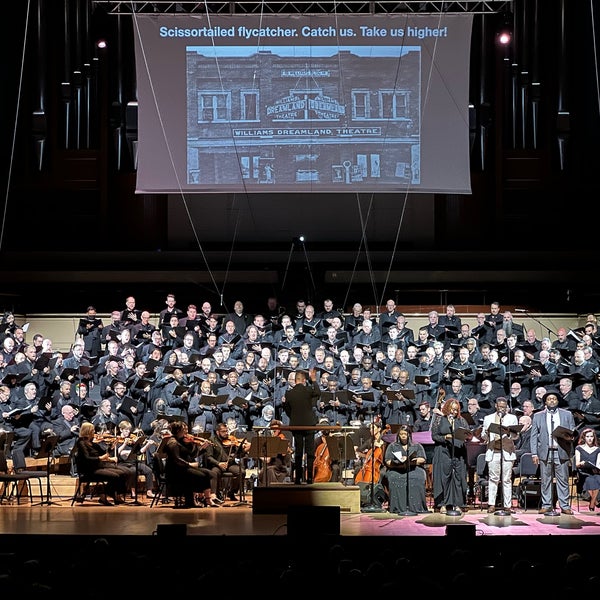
(199, 441)
(233, 441)
(105, 438)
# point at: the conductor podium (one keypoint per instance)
(279, 498)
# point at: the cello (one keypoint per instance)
(322, 466)
(371, 468)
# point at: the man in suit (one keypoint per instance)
(300, 406)
(553, 452)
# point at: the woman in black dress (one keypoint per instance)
(405, 462)
(91, 458)
(587, 453)
(449, 458)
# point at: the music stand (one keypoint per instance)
(462, 434)
(372, 507)
(265, 447)
(501, 430)
(6, 441)
(48, 444)
(239, 456)
(339, 447)
(564, 437)
(136, 450)
(409, 458)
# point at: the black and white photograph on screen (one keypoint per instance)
(366, 103)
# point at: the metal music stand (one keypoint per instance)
(409, 459)
(48, 444)
(340, 446)
(458, 433)
(6, 441)
(239, 456)
(564, 437)
(265, 447)
(135, 449)
(501, 430)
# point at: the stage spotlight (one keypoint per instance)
(504, 37)
(301, 239)
(101, 44)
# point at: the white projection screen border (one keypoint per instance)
(303, 103)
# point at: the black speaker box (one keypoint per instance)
(175, 530)
(462, 531)
(313, 520)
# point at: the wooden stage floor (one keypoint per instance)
(242, 519)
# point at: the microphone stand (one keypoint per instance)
(453, 512)
(136, 457)
(372, 507)
(530, 316)
(407, 512)
(551, 454)
(501, 512)
(241, 477)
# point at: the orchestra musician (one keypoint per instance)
(91, 459)
(278, 467)
(224, 456)
(324, 468)
(369, 466)
(131, 451)
(182, 468)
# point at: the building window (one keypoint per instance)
(360, 104)
(392, 104)
(214, 107)
(249, 103)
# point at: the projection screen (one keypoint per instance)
(303, 103)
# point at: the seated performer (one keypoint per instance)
(405, 475)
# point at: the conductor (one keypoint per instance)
(299, 403)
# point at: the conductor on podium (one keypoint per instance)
(300, 405)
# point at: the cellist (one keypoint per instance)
(370, 457)
(324, 468)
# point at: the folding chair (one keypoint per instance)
(13, 484)
(20, 468)
(482, 482)
(87, 485)
(530, 487)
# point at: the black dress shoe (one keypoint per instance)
(297, 482)
(104, 500)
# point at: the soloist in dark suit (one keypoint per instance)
(553, 455)
(300, 406)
